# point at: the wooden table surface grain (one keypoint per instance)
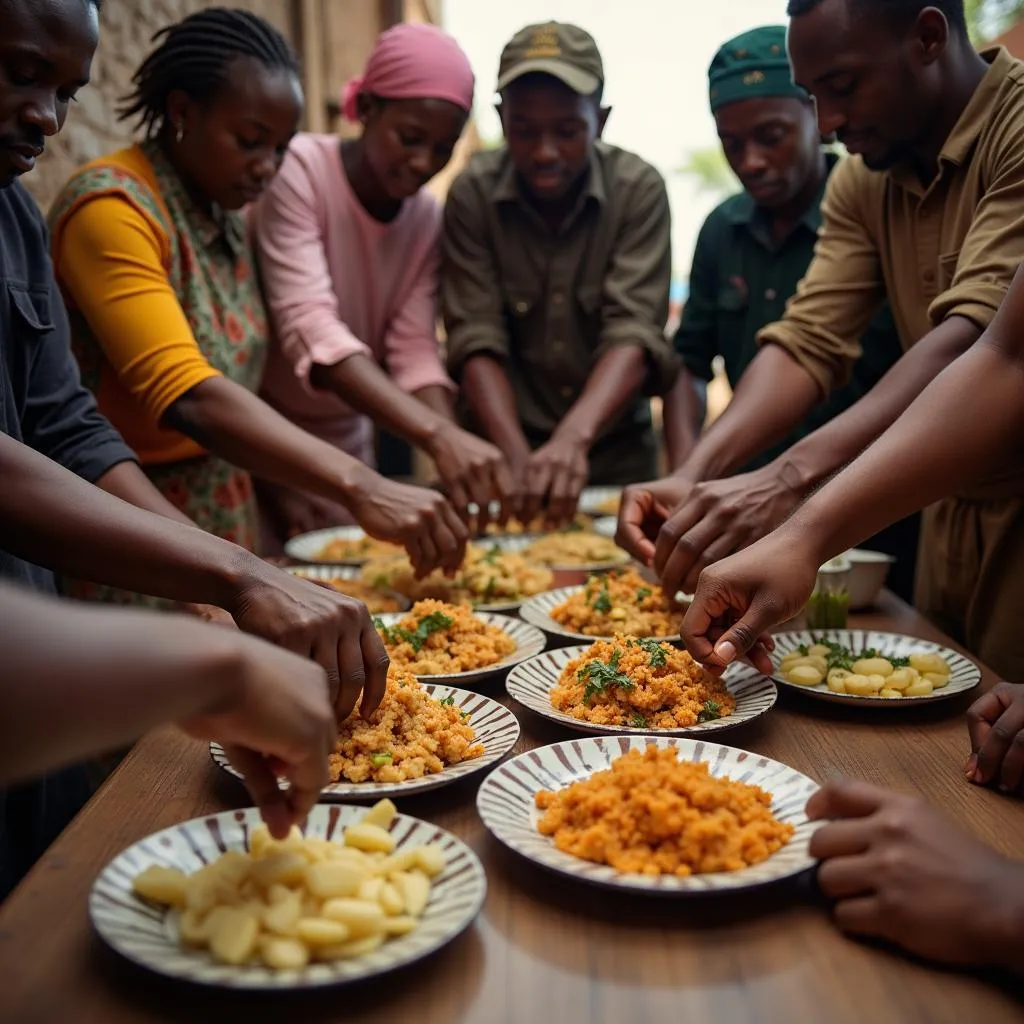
(544, 948)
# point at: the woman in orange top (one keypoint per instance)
(155, 265)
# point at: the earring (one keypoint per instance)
(179, 134)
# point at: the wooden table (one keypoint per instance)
(543, 949)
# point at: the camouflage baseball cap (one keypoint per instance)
(554, 48)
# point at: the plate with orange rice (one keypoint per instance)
(662, 815)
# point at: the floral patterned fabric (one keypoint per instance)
(213, 273)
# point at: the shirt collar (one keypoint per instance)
(207, 228)
(960, 141)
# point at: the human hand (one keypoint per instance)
(900, 871)
(554, 475)
(741, 597)
(717, 518)
(277, 722)
(317, 623)
(210, 613)
(421, 520)
(995, 722)
(472, 471)
(643, 510)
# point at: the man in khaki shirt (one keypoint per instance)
(930, 213)
(555, 281)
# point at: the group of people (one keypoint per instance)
(196, 351)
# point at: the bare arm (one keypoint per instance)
(81, 680)
(128, 482)
(683, 415)
(492, 401)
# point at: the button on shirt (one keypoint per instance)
(740, 281)
(549, 304)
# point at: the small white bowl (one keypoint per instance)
(868, 572)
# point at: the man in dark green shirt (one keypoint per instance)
(755, 247)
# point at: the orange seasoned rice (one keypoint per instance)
(421, 734)
(677, 693)
(650, 813)
(359, 549)
(619, 602)
(462, 642)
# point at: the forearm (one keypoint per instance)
(63, 661)
(925, 455)
(241, 428)
(683, 413)
(129, 483)
(492, 402)
(612, 384)
(361, 383)
(815, 458)
(54, 518)
(439, 401)
(773, 396)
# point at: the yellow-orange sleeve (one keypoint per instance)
(109, 263)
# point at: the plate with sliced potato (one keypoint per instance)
(217, 901)
(856, 666)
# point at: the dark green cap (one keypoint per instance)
(750, 66)
(554, 48)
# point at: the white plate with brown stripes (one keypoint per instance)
(531, 683)
(506, 803)
(148, 934)
(495, 727)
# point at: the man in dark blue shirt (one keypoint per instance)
(52, 439)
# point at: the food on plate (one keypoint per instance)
(411, 734)
(374, 600)
(619, 602)
(868, 673)
(487, 575)
(287, 902)
(650, 813)
(575, 548)
(356, 549)
(609, 507)
(437, 638)
(516, 527)
(642, 683)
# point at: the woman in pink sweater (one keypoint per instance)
(347, 239)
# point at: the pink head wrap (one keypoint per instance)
(413, 61)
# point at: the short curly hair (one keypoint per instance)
(898, 11)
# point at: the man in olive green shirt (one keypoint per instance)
(555, 281)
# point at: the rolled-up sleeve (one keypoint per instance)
(840, 293)
(110, 262)
(634, 302)
(296, 278)
(993, 249)
(412, 351)
(471, 301)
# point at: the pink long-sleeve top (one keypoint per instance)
(339, 283)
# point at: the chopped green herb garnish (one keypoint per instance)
(712, 710)
(381, 759)
(447, 702)
(657, 654)
(428, 624)
(492, 554)
(899, 662)
(603, 602)
(642, 593)
(602, 676)
(490, 588)
(638, 721)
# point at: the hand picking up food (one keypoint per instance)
(284, 903)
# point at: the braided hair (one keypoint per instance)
(193, 57)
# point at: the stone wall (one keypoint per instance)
(92, 127)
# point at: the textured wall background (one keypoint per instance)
(92, 127)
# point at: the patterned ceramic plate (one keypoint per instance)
(326, 573)
(537, 611)
(506, 805)
(605, 526)
(529, 641)
(496, 728)
(595, 501)
(965, 675)
(148, 935)
(308, 547)
(531, 684)
(520, 544)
